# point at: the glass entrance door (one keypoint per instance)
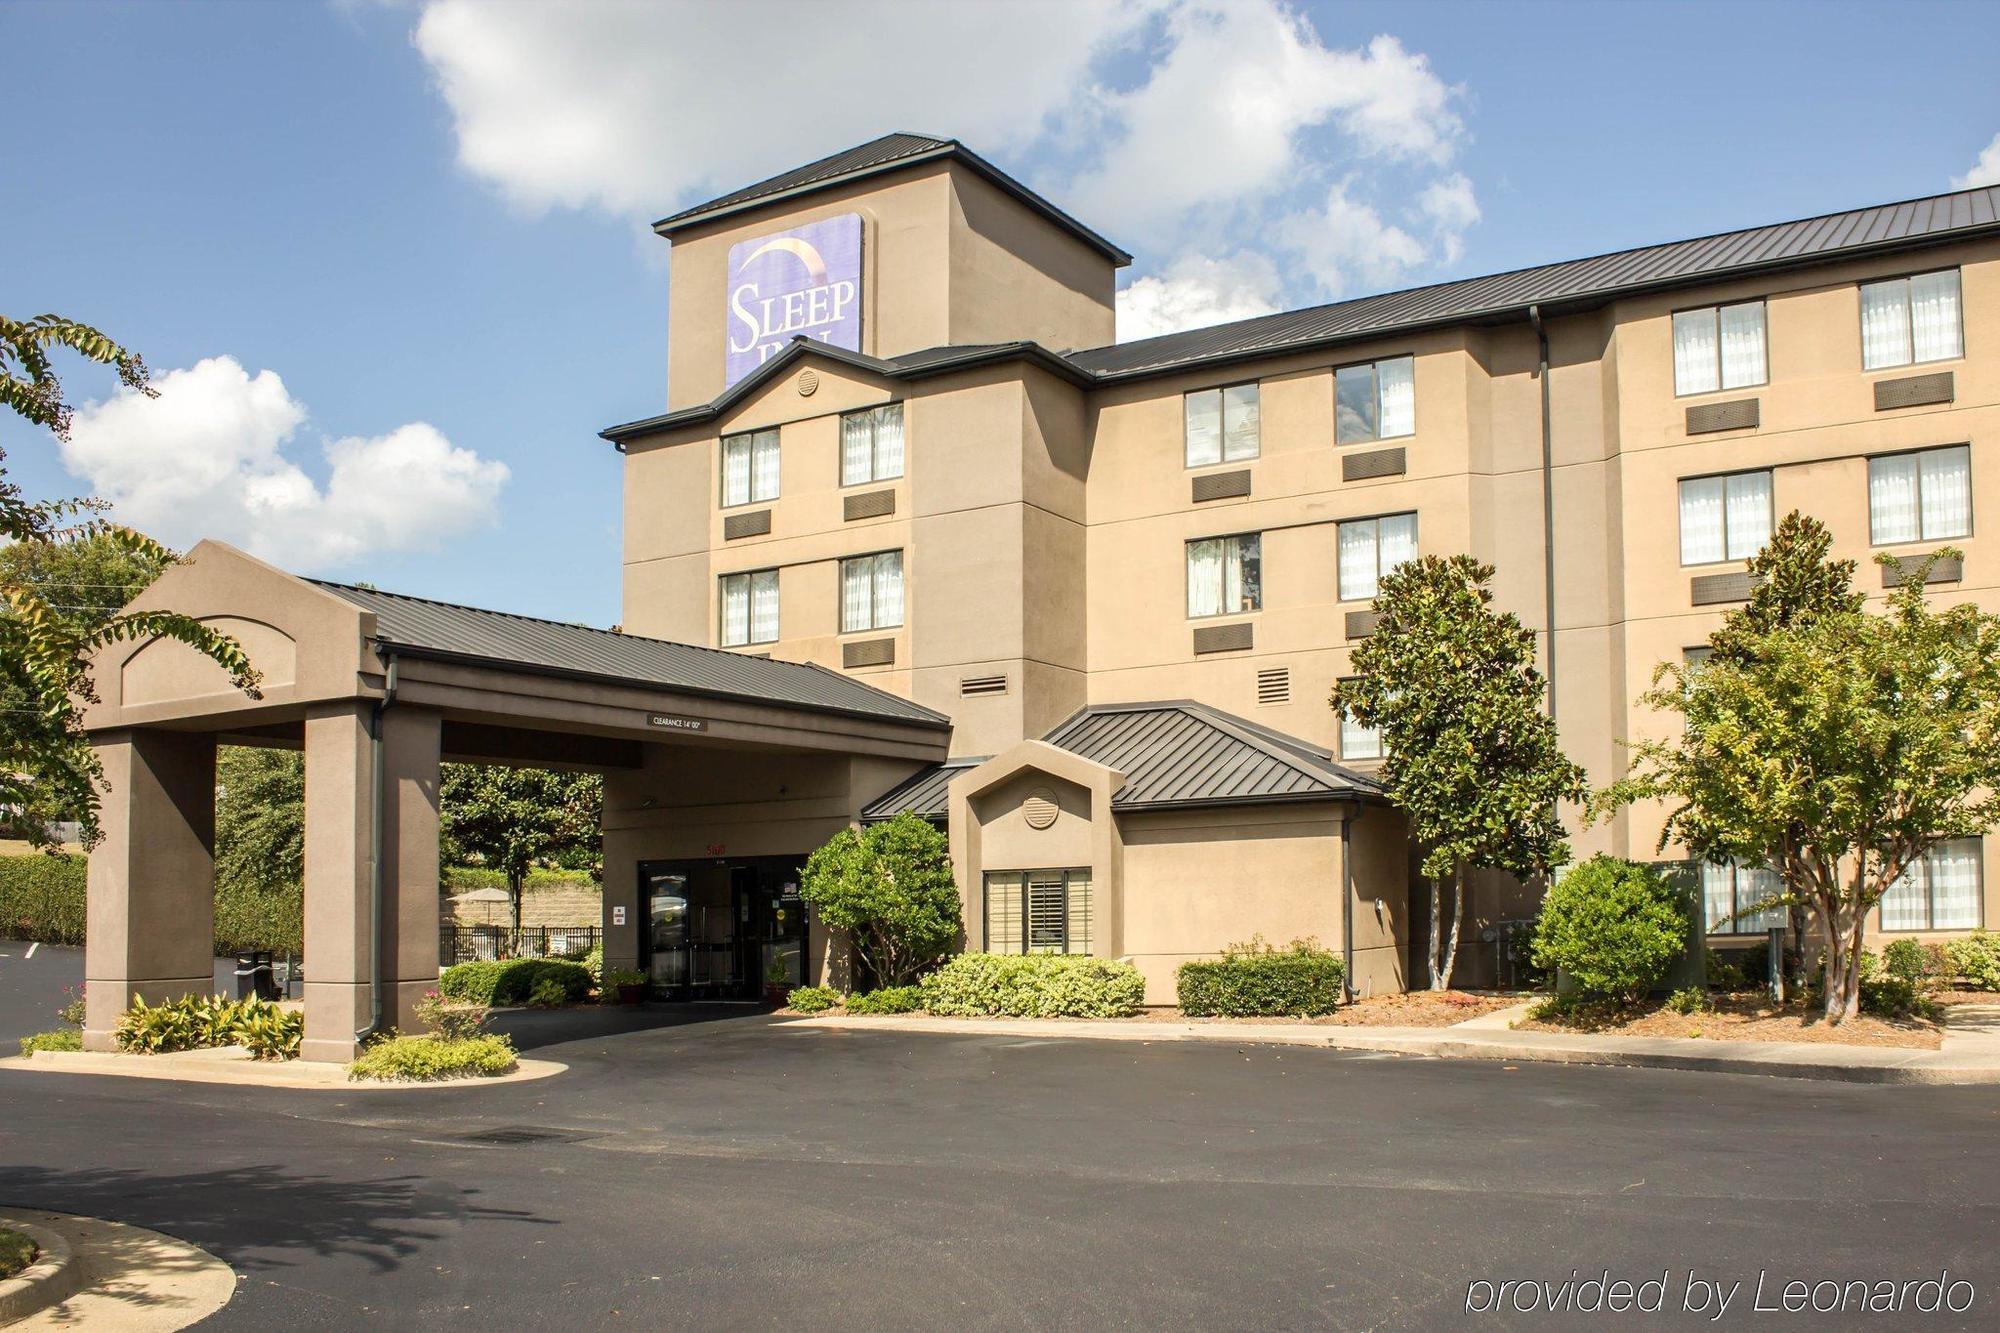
(667, 938)
(722, 928)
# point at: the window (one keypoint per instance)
(1224, 575)
(1377, 401)
(1939, 892)
(1038, 911)
(1221, 424)
(1732, 898)
(871, 592)
(1924, 496)
(871, 445)
(1909, 320)
(749, 468)
(749, 608)
(1357, 741)
(1719, 347)
(1370, 548)
(1724, 518)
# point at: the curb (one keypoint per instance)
(54, 1277)
(211, 1066)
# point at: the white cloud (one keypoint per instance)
(1346, 242)
(1195, 292)
(1986, 171)
(1451, 207)
(206, 459)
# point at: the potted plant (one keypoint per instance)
(627, 983)
(777, 982)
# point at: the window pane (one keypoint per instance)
(1396, 383)
(764, 606)
(1357, 560)
(1397, 541)
(735, 610)
(1701, 521)
(764, 465)
(888, 442)
(1081, 917)
(1934, 324)
(736, 471)
(1904, 906)
(1694, 351)
(1885, 324)
(1892, 499)
(1954, 876)
(1204, 577)
(1743, 345)
(856, 586)
(1047, 904)
(1749, 513)
(889, 590)
(857, 448)
(1357, 741)
(1239, 421)
(1003, 913)
(1354, 416)
(1947, 493)
(1203, 413)
(1718, 897)
(1752, 888)
(1243, 575)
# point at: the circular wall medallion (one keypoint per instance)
(808, 383)
(1040, 808)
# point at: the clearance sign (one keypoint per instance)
(803, 281)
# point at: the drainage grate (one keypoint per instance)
(511, 1135)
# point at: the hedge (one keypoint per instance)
(887, 1000)
(41, 898)
(464, 879)
(1035, 985)
(1610, 928)
(430, 1059)
(1254, 981)
(514, 981)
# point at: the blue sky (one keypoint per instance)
(417, 233)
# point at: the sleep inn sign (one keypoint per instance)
(801, 282)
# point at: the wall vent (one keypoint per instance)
(1224, 638)
(1374, 463)
(868, 652)
(1951, 570)
(1914, 391)
(1221, 485)
(975, 687)
(870, 504)
(1713, 589)
(1706, 418)
(754, 524)
(1274, 685)
(1361, 624)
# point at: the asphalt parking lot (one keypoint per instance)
(709, 1167)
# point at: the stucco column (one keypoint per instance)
(340, 816)
(150, 927)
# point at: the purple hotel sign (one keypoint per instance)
(803, 281)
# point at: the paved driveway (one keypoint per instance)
(710, 1168)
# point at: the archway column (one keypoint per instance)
(150, 925)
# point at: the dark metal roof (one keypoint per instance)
(891, 152)
(419, 627)
(1574, 283)
(923, 793)
(1182, 753)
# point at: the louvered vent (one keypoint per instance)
(975, 687)
(1039, 809)
(1274, 685)
(1913, 391)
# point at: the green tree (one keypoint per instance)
(1836, 749)
(45, 765)
(1468, 754)
(515, 819)
(1612, 928)
(889, 887)
(260, 840)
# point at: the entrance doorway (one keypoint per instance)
(725, 928)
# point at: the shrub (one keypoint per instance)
(198, 1022)
(1035, 985)
(269, 1032)
(450, 1022)
(61, 1039)
(1611, 927)
(1725, 971)
(1976, 959)
(1255, 980)
(16, 1252)
(41, 898)
(890, 888)
(812, 999)
(887, 1000)
(1886, 995)
(1689, 1000)
(547, 993)
(1927, 967)
(593, 963)
(428, 1059)
(512, 981)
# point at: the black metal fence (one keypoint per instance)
(467, 944)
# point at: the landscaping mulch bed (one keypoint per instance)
(16, 1252)
(1750, 1018)
(1415, 1009)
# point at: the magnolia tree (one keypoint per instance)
(889, 887)
(1468, 754)
(1833, 745)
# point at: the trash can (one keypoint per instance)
(254, 977)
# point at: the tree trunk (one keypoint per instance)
(1432, 949)
(1441, 980)
(515, 887)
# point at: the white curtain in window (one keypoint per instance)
(1357, 741)
(735, 610)
(736, 471)
(889, 442)
(1947, 493)
(856, 594)
(1204, 577)
(1357, 560)
(1954, 876)
(889, 590)
(1232, 575)
(764, 607)
(1396, 381)
(1753, 887)
(857, 446)
(1892, 499)
(1239, 422)
(1718, 884)
(1934, 321)
(1203, 414)
(764, 466)
(1398, 540)
(1904, 906)
(1749, 513)
(1743, 345)
(1694, 351)
(1885, 324)
(1701, 521)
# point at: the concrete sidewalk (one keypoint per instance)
(1971, 1057)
